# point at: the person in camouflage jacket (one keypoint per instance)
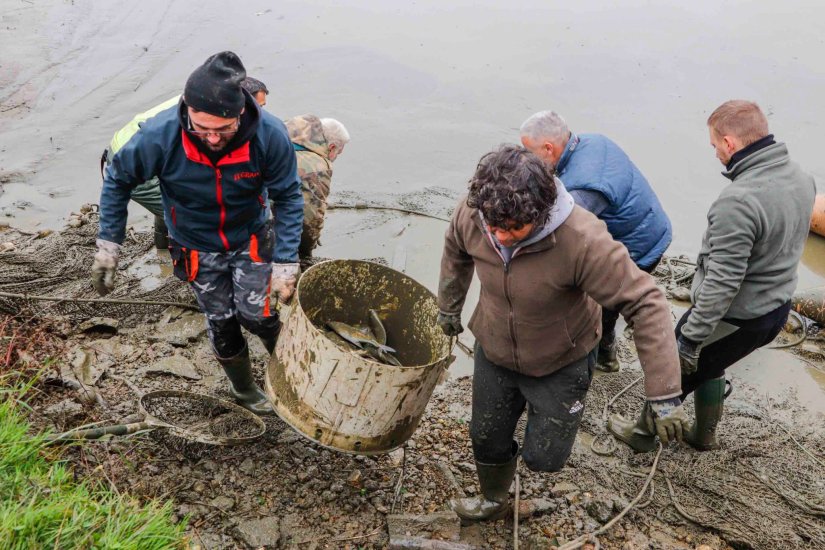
(317, 143)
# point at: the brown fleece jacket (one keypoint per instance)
(541, 312)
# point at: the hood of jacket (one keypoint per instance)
(307, 132)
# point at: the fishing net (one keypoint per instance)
(50, 276)
(764, 489)
(201, 418)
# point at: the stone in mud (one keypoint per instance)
(262, 532)
(223, 503)
(289, 436)
(180, 331)
(600, 510)
(355, 478)
(68, 408)
(83, 367)
(247, 466)
(397, 457)
(438, 525)
(563, 488)
(535, 506)
(680, 293)
(176, 365)
(421, 543)
(291, 531)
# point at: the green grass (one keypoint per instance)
(42, 506)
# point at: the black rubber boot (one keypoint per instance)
(607, 359)
(709, 399)
(495, 481)
(269, 343)
(637, 434)
(161, 234)
(242, 385)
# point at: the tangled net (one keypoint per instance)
(58, 266)
(202, 417)
(764, 489)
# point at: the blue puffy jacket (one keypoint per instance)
(210, 205)
(634, 217)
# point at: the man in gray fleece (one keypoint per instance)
(746, 270)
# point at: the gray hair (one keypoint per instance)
(335, 132)
(546, 124)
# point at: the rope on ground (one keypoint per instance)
(646, 503)
(515, 513)
(400, 483)
(584, 539)
(363, 206)
(803, 327)
(610, 449)
(97, 300)
(684, 513)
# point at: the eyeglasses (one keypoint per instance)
(206, 133)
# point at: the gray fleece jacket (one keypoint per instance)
(754, 239)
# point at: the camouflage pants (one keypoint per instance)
(315, 207)
(232, 290)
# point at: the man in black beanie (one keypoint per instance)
(220, 160)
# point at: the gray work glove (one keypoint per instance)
(688, 354)
(284, 278)
(669, 419)
(104, 266)
(450, 323)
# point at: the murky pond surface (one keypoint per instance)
(425, 88)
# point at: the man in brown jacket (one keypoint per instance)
(545, 266)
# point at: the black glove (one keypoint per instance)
(688, 354)
(450, 323)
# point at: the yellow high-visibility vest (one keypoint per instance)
(125, 134)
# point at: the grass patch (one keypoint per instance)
(42, 506)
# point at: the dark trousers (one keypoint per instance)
(555, 405)
(716, 357)
(609, 316)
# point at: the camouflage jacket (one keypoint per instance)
(312, 152)
(315, 171)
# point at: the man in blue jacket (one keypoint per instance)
(219, 160)
(602, 179)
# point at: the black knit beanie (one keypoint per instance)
(215, 86)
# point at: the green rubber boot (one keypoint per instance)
(607, 359)
(242, 385)
(709, 399)
(495, 481)
(639, 434)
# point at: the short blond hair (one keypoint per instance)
(741, 118)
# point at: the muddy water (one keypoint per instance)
(424, 89)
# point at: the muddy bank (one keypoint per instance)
(285, 492)
(282, 491)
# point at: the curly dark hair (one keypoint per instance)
(512, 185)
